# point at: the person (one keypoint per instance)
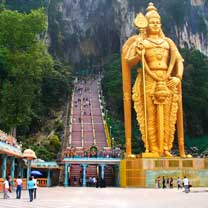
(189, 186)
(171, 182)
(35, 186)
(158, 182)
(30, 187)
(94, 181)
(90, 181)
(10, 183)
(179, 183)
(19, 187)
(6, 188)
(163, 182)
(167, 183)
(186, 184)
(80, 181)
(156, 92)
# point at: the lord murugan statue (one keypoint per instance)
(156, 92)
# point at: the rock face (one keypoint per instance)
(85, 32)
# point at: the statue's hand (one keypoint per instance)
(173, 82)
(139, 46)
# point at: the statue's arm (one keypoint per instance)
(177, 74)
(133, 55)
(179, 68)
(179, 65)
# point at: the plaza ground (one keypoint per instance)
(73, 197)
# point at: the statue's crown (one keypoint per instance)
(152, 11)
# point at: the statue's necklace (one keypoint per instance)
(155, 41)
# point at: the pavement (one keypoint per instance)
(79, 197)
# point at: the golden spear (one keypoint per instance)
(141, 23)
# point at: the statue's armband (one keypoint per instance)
(133, 55)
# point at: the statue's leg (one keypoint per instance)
(170, 110)
(166, 126)
(151, 128)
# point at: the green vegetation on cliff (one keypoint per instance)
(33, 85)
(195, 92)
(23, 60)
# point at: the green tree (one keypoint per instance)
(23, 60)
(195, 92)
(55, 143)
(112, 86)
(56, 86)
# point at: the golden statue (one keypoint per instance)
(157, 92)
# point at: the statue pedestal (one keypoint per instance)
(149, 155)
(144, 172)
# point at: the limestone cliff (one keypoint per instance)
(84, 32)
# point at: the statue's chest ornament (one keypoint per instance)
(159, 52)
(158, 48)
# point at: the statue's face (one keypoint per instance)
(154, 25)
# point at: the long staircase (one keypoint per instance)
(86, 127)
(86, 117)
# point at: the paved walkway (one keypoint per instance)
(60, 197)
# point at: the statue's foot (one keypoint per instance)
(185, 156)
(150, 154)
(167, 154)
(156, 154)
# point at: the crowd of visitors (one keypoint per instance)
(91, 181)
(82, 88)
(87, 126)
(31, 186)
(169, 182)
(96, 182)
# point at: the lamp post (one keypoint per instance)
(104, 105)
(110, 132)
(29, 155)
(106, 115)
(103, 101)
(103, 115)
(112, 142)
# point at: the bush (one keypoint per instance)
(59, 126)
(54, 143)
